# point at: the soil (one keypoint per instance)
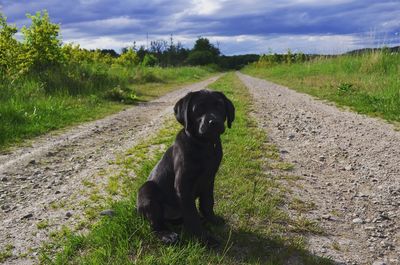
(349, 166)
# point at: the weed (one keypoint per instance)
(6, 253)
(345, 87)
(42, 224)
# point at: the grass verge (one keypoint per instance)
(257, 230)
(367, 83)
(28, 109)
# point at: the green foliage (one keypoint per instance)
(203, 53)
(42, 43)
(149, 60)
(268, 60)
(200, 58)
(11, 61)
(345, 87)
(128, 58)
(125, 95)
(6, 252)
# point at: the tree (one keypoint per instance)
(203, 44)
(203, 53)
(11, 63)
(42, 42)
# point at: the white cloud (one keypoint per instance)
(204, 7)
(115, 22)
(231, 45)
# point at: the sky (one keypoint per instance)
(236, 27)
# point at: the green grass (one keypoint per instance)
(257, 230)
(29, 107)
(6, 252)
(368, 83)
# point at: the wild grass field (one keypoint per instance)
(367, 83)
(257, 229)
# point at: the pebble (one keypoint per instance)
(107, 212)
(4, 179)
(379, 262)
(68, 214)
(348, 168)
(27, 216)
(326, 217)
(357, 221)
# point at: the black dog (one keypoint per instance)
(187, 169)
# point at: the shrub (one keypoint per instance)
(129, 58)
(149, 60)
(43, 47)
(122, 95)
(11, 63)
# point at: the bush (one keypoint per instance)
(11, 61)
(129, 58)
(43, 47)
(145, 75)
(149, 60)
(122, 95)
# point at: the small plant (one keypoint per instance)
(42, 224)
(122, 95)
(345, 87)
(6, 253)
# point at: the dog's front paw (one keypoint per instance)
(211, 242)
(215, 220)
(168, 237)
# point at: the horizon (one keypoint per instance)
(257, 27)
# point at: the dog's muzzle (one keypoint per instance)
(211, 127)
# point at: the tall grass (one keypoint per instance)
(368, 83)
(64, 95)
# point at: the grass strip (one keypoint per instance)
(257, 229)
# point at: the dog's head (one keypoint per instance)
(203, 113)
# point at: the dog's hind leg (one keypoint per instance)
(150, 205)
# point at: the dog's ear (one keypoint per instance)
(181, 110)
(229, 108)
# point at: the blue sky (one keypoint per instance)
(237, 27)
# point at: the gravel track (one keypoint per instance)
(54, 166)
(349, 166)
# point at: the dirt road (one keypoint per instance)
(53, 169)
(350, 169)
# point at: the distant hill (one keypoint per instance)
(365, 50)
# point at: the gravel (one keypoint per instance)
(52, 168)
(350, 168)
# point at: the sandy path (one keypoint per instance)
(350, 169)
(53, 167)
